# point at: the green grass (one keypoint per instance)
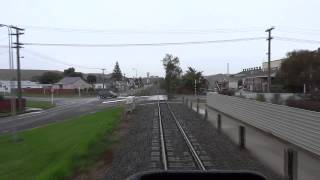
(39, 104)
(58, 150)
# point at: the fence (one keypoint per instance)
(297, 131)
(47, 91)
(297, 126)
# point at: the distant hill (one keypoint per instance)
(32, 74)
(216, 77)
(26, 74)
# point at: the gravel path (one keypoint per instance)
(225, 155)
(133, 152)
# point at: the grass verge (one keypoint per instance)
(58, 150)
(39, 104)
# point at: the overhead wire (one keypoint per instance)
(172, 31)
(296, 40)
(51, 59)
(143, 44)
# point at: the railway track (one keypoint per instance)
(173, 146)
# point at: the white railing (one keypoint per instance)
(297, 126)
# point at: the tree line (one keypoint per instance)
(54, 77)
(178, 82)
(301, 68)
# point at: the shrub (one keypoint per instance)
(315, 96)
(304, 104)
(227, 92)
(1, 97)
(276, 99)
(261, 98)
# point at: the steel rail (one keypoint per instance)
(163, 148)
(188, 142)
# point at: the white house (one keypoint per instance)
(5, 86)
(73, 83)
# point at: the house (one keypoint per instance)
(223, 82)
(6, 86)
(256, 79)
(217, 80)
(73, 83)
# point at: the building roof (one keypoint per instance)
(69, 80)
(255, 73)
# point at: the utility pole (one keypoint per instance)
(228, 69)
(195, 87)
(269, 57)
(136, 70)
(103, 78)
(17, 47)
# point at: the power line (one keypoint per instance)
(298, 29)
(297, 40)
(144, 44)
(58, 61)
(172, 31)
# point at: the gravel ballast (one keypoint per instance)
(135, 148)
(132, 154)
(224, 154)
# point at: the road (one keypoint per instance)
(66, 108)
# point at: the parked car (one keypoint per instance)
(107, 94)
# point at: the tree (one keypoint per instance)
(117, 75)
(35, 78)
(50, 77)
(91, 79)
(173, 72)
(299, 68)
(70, 72)
(190, 78)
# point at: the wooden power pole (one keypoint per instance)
(17, 46)
(103, 78)
(269, 57)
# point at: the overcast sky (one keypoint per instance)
(150, 21)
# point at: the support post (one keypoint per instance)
(103, 78)
(206, 114)
(182, 99)
(242, 137)
(290, 164)
(52, 92)
(219, 122)
(197, 105)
